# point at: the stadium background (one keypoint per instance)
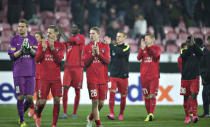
(170, 20)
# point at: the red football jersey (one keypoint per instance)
(37, 70)
(96, 66)
(150, 57)
(50, 61)
(180, 63)
(75, 51)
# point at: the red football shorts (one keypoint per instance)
(37, 85)
(97, 91)
(73, 77)
(149, 86)
(119, 83)
(47, 85)
(190, 86)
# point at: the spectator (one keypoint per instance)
(14, 9)
(140, 26)
(47, 5)
(94, 13)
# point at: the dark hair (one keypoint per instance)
(97, 29)
(199, 42)
(23, 21)
(40, 34)
(53, 27)
(183, 45)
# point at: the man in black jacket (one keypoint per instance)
(119, 66)
(190, 77)
(205, 75)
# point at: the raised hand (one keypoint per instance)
(107, 40)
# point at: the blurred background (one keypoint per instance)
(170, 20)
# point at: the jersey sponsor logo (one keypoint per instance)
(49, 57)
(147, 59)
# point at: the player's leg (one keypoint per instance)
(44, 92)
(123, 89)
(112, 85)
(29, 91)
(66, 85)
(145, 91)
(76, 102)
(194, 88)
(95, 111)
(56, 110)
(77, 76)
(56, 89)
(206, 101)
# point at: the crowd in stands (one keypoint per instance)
(171, 21)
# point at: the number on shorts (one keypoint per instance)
(145, 90)
(17, 89)
(93, 93)
(182, 90)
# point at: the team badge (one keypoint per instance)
(103, 50)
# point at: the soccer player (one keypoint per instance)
(149, 54)
(73, 67)
(118, 72)
(50, 55)
(22, 50)
(40, 38)
(205, 76)
(190, 78)
(96, 60)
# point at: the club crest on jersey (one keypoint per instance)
(103, 50)
(57, 49)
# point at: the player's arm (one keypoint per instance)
(58, 55)
(186, 52)
(77, 40)
(65, 38)
(33, 48)
(12, 51)
(40, 53)
(120, 51)
(88, 57)
(180, 64)
(197, 50)
(104, 56)
(140, 54)
(154, 51)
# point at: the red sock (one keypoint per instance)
(122, 104)
(186, 107)
(112, 102)
(194, 105)
(56, 110)
(32, 106)
(152, 104)
(98, 122)
(76, 100)
(65, 99)
(91, 116)
(147, 105)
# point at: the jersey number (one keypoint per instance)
(93, 93)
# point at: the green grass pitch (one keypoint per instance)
(165, 116)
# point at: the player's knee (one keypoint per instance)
(114, 91)
(186, 98)
(20, 97)
(95, 102)
(56, 100)
(146, 96)
(101, 103)
(77, 91)
(152, 95)
(193, 95)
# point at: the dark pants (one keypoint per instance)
(206, 98)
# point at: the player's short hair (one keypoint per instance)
(183, 45)
(40, 34)
(53, 27)
(150, 35)
(97, 29)
(199, 42)
(23, 21)
(122, 32)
